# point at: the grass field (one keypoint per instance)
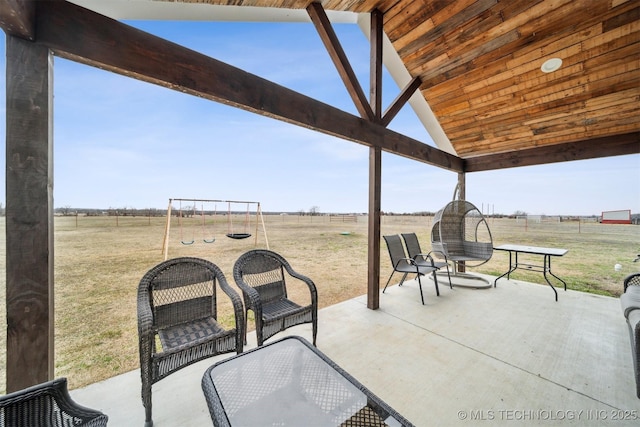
(99, 262)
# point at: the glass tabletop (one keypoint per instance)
(287, 383)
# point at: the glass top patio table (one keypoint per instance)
(290, 383)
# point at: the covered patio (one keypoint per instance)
(472, 73)
(506, 354)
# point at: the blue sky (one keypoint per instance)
(121, 143)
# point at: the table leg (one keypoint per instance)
(547, 268)
(512, 268)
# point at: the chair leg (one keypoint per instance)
(435, 280)
(404, 276)
(420, 286)
(449, 276)
(315, 328)
(388, 280)
(146, 402)
(245, 326)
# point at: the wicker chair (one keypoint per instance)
(402, 264)
(47, 404)
(177, 320)
(631, 280)
(262, 276)
(426, 260)
(630, 302)
(461, 234)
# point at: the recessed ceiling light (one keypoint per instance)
(551, 65)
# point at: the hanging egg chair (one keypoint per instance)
(461, 233)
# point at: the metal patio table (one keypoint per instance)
(545, 268)
(290, 383)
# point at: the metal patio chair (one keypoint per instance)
(415, 252)
(47, 405)
(263, 275)
(178, 325)
(405, 265)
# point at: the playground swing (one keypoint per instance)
(190, 224)
(230, 233)
(204, 228)
(182, 240)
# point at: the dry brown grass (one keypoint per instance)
(98, 266)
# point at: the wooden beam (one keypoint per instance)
(84, 36)
(17, 18)
(29, 215)
(339, 58)
(375, 189)
(400, 100)
(461, 188)
(375, 68)
(616, 145)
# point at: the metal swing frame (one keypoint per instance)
(258, 213)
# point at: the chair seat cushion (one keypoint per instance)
(186, 333)
(630, 300)
(279, 308)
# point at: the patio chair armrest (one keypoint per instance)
(33, 403)
(251, 298)
(303, 278)
(441, 254)
(425, 257)
(631, 280)
(310, 284)
(408, 260)
(238, 309)
(146, 329)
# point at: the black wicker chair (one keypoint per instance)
(402, 264)
(47, 405)
(630, 302)
(262, 276)
(178, 320)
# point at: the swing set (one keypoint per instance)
(198, 224)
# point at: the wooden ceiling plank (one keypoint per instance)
(543, 27)
(446, 22)
(514, 24)
(368, 6)
(89, 38)
(485, 110)
(608, 64)
(621, 19)
(631, 95)
(409, 14)
(428, 70)
(340, 60)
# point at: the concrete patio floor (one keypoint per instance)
(509, 355)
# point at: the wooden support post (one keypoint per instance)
(375, 185)
(375, 68)
(29, 214)
(462, 195)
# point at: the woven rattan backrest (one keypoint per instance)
(632, 280)
(265, 274)
(183, 292)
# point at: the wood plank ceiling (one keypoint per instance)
(480, 66)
